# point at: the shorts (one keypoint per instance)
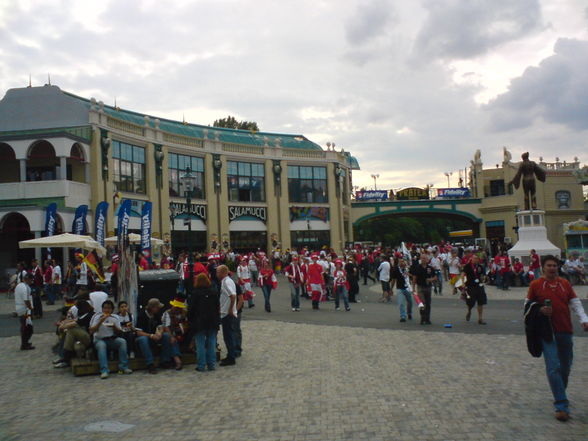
(385, 285)
(476, 294)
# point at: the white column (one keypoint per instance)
(38, 250)
(23, 170)
(62, 175)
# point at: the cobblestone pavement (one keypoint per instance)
(304, 382)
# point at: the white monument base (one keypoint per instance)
(532, 236)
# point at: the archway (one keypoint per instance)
(14, 227)
(9, 165)
(41, 162)
(76, 164)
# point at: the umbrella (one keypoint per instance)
(133, 238)
(64, 240)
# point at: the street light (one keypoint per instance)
(448, 174)
(188, 181)
(375, 177)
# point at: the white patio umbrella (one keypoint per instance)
(64, 240)
(133, 238)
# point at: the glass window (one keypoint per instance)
(246, 181)
(129, 167)
(177, 167)
(307, 184)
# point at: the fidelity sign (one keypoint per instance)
(257, 212)
(453, 192)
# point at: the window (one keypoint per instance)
(307, 184)
(497, 187)
(129, 167)
(246, 181)
(177, 167)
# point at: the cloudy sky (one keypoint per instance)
(411, 88)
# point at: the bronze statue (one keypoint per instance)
(528, 170)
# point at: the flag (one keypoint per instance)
(124, 216)
(95, 265)
(100, 221)
(146, 230)
(50, 222)
(405, 252)
(79, 222)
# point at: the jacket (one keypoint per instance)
(204, 312)
(537, 328)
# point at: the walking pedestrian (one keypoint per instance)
(296, 279)
(340, 285)
(23, 305)
(384, 276)
(36, 288)
(474, 288)
(316, 281)
(267, 280)
(228, 312)
(352, 279)
(423, 277)
(557, 352)
(401, 278)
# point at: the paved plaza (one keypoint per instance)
(306, 381)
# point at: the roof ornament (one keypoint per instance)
(146, 119)
(30, 81)
(156, 122)
(92, 103)
(184, 119)
(205, 133)
(49, 79)
(265, 141)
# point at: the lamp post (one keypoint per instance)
(188, 181)
(375, 177)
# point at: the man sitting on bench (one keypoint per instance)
(150, 333)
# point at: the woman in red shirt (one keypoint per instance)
(267, 281)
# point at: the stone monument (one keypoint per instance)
(532, 232)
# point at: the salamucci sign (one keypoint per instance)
(236, 212)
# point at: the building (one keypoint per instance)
(252, 190)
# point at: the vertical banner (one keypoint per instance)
(79, 222)
(50, 222)
(124, 216)
(146, 230)
(100, 221)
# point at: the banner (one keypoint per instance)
(146, 230)
(124, 216)
(79, 222)
(307, 213)
(371, 195)
(449, 193)
(50, 222)
(100, 221)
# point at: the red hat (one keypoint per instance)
(339, 261)
(314, 256)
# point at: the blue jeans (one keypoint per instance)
(48, 289)
(404, 302)
(341, 291)
(167, 349)
(228, 326)
(558, 355)
(537, 273)
(267, 290)
(206, 348)
(295, 295)
(104, 345)
(439, 283)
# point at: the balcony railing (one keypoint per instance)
(76, 193)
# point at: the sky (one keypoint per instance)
(411, 88)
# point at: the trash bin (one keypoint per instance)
(161, 284)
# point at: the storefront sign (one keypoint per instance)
(146, 230)
(79, 222)
(100, 221)
(412, 193)
(255, 212)
(196, 210)
(307, 213)
(450, 193)
(371, 195)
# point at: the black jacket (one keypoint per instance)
(537, 328)
(204, 313)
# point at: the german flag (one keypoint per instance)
(95, 265)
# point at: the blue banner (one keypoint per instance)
(100, 221)
(371, 195)
(124, 216)
(50, 222)
(146, 230)
(79, 222)
(451, 193)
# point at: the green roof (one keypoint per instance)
(197, 131)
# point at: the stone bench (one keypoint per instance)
(83, 366)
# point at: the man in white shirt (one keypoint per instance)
(435, 262)
(56, 279)
(384, 272)
(82, 268)
(228, 312)
(23, 304)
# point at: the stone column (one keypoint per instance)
(23, 170)
(62, 172)
(38, 250)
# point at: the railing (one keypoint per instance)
(183, 140)
(295, 153)
(561, 165)
(45, 189)
(125, 126)
(247, 149)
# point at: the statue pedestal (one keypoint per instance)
(532, 236)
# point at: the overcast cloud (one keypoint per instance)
(396, 83)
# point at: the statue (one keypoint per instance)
(528, 170)
(507, 156)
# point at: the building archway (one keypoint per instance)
(42, 163)
(14, 227)
(76, 164)
(9, 165)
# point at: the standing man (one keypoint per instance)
(316, 281)
(401, 278)
(535, 265)
(475, 292)
(296, 279)
(82, 269)
(557, 353)
(23, 302)
(423, 276)
(48, 282)
(56, 279)
(352, 271)
(228, 313)
(436, 264)
(36, 289)
(384, 272)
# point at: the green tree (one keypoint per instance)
(230, 122)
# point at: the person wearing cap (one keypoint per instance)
(149, 334)
(296, 278)
(316, 281)
(340, 285)
(174, 324)
(23, 302)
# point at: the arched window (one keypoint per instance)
(9, 166)
(41, 162)
(76, 164)
(14, 227)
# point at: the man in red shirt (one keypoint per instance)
(558, 353)
(316, 281)
(535, 265)
(503, 263)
